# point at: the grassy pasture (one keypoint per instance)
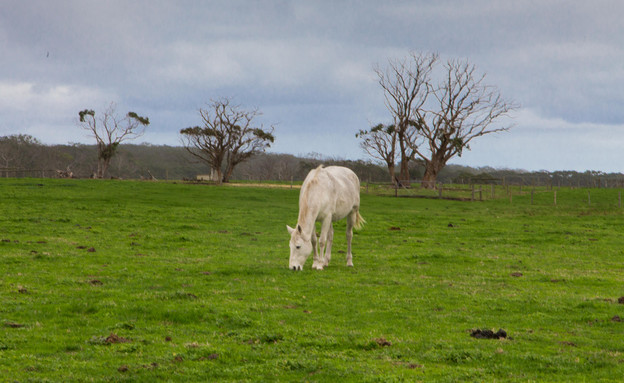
(137, 281)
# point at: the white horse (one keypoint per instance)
(327, 194)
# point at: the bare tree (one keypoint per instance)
(380, 142)
(111, 130)
(437, 121)
(19, 152)
(406, 88)
(463, 108)
(228, 134)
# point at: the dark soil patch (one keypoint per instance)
(13, 325)
(488, 334)
(616, 319)
(114, 338)
(516, 274)
(394, 228)
(382, 342)
(95, 282)
(91, 250)
(621, 300)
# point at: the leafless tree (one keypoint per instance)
(380, 142)
(406, 87)
(229, 134)
(463, 108)
(109, 131)
(436, 122)
(19, 152)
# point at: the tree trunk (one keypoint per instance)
(391, 172)
(102, 167)
(228, 172)
(431, 173)
(404, 175)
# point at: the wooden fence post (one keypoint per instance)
(620, 199)
(589, 197)
(532, 192)
(492, 191)
(555, 198)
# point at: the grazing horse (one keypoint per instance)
(327, 195)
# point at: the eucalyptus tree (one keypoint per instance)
(380, 142)
(228, 136)
(435, 121)
(109, 131)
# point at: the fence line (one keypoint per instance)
(481, 192)
(35, 173)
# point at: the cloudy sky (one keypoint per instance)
(308, 66)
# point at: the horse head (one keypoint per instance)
(300, 248)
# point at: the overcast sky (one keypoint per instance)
(308, 66)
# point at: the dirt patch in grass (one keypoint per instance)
(13, 325)
(383, 342)
(488, 334)
(114, 338)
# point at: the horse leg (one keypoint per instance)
(330, 240)
(319, 262)
(351, 218)
(315, 249)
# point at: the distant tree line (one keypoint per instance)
(25, 156)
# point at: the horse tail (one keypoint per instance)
(359, 221)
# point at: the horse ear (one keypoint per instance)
(290, 229)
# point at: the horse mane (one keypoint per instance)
(313, 180)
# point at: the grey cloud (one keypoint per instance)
(306, 65)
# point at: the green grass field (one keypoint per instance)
(137, 281)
